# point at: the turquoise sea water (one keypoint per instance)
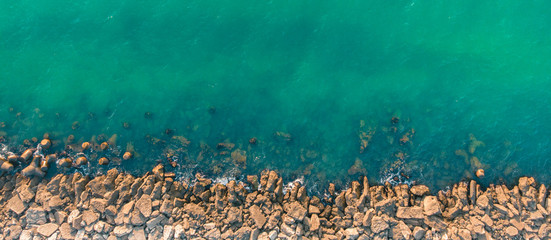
(227, 71)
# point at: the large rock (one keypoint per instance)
(66, 231)
(36, 215)
(16, 205)
(401, 231)
(257, 216)
(410, 213)
(296, 211)
(89, 217)
(243, 233)
(431, 206)
(351, 233)
(386, 206)
(378, 224)
(213, 234)
(314, 223)
(47, 229)
(144, 205)
(420, 190)
(121, 231)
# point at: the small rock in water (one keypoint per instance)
(103, 161)
(127, 156)
(85, 146)
(45, 143)
(480, 173)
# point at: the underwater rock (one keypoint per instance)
(474, 143)
(75, 125)
(239, 157)
(357, 167)
(365, 135)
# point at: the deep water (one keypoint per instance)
(227, 71)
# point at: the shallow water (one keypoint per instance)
(229, 71)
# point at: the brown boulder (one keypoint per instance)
(431, 206)
(410, 213)
(47, 229)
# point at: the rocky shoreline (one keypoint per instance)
(155, 206)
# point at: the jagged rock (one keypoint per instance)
(386, 206)
(401, 231)
(314, 223)
(351, 233)
(138, 234)
(26, 235)
(410, 213)
(464, 234)
(144, 205)
(234, 215)
(378, 224)
(214, 234)
(243, 233)
(271, 181)
(257, 216)
(168, 232)
(431, 206)
(26, 194)
(16, 205)
(47, 229)
(89, 217)
(368, 216)
(296, 211)
(121, 231)
(36, 215)
(98, 204)
(418, 233)
(66, 231)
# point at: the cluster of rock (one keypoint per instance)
(155, 206)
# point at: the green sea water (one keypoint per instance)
(227, 71)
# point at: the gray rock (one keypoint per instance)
(418, 233)
(36, 215)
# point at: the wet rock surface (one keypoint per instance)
(121, 206)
